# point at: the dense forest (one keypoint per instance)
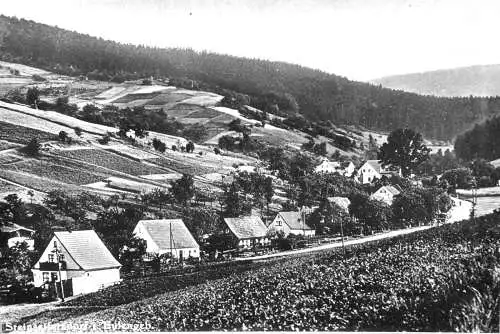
(273, 86)
(483, 141)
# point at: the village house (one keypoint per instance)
(372, 170)
(345, 168)
(11, 233)
(248, 231)
(342, 202)
(78, 258)
(167, 236)
(385, 194)
(291, 222)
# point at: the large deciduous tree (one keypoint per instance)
(404, 148)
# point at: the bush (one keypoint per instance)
(32, 148)
(104, 140)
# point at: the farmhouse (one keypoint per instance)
(372, 169)
(291, 222)
(248, 231)
(168, 236)
(80, 259)
(327, 166)
(385, 194)
(11, 233)
(345, 168)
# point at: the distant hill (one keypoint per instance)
(274, 87)
(481, 80)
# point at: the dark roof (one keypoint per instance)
(87, 249)
(294, 220)
(246, 227)
(160, 231)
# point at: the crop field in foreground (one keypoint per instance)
(112, 161)
(21, 134)
(443, 279)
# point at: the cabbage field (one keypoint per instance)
(442, 279)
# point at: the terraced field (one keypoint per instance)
(112, 161)
(22, 135)
(6, 187)
(5, 145)
(62, 173)
(183, 167)
(36, 182)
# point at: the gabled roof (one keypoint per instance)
(376, 165)
(168, 233)
(294, 220)
(13, 227)
(328, 164)
(246, 227)
(391, 189)
(87, 249)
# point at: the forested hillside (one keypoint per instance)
(273, 86)
(483, 141)
(480, 80)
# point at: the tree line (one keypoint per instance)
(274, 87)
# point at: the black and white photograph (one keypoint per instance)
(249, 165)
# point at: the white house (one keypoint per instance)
(386, 194)
(12, 233)
(327, 166)
(345, 168)
(168, 236)
(80, 257)
(248, 231)
(372, 169)
(291, 222)
(343, 202)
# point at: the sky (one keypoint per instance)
(358, 39)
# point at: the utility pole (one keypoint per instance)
(57, 252)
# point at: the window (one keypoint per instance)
(278, 222)
(53, 277)
(51, 257)
(55, 244)
(61, 258)
(45, 277)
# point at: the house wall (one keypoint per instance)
(277, 225)
(249, 242)
(349, 170)
(307, 233)
(368, 174)
(91, 281)
(29, 241)
(186, 252)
